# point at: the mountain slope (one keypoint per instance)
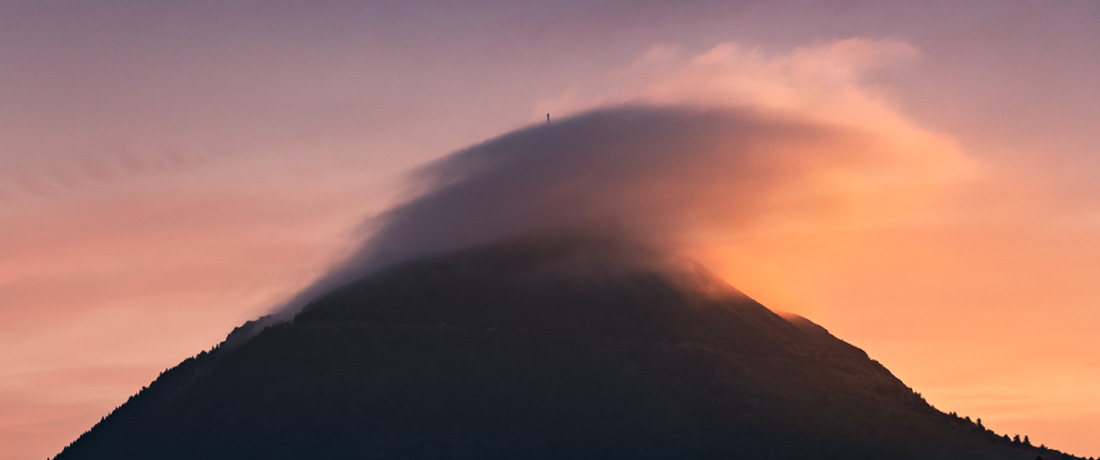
(535, 349)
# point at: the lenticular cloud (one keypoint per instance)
(661, 177)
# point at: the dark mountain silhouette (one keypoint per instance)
(535, 349)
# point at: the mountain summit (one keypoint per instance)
(535, 349)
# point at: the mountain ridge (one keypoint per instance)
(542, 350)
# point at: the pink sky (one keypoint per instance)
(168, 172)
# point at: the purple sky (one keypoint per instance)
(171, 169)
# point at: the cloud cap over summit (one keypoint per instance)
(665, 177)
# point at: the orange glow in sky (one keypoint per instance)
(170, 171)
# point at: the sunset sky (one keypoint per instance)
(169, 170)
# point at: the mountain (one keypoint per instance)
(535, 349)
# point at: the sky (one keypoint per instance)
(169, 170)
